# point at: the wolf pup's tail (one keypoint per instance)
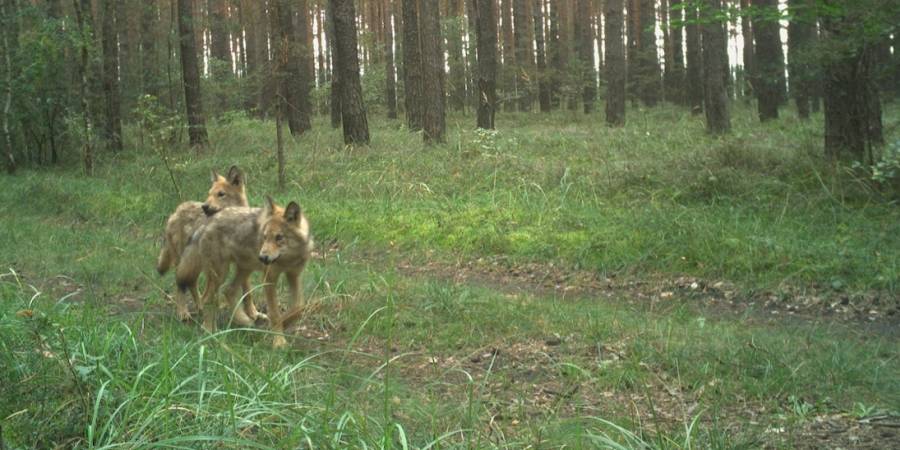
(189, 267)
(164, 261)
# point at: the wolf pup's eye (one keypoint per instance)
(221, 194)
(279, 237)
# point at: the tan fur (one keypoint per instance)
(226, 191)
(272, 240)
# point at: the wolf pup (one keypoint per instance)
(272, 240)
(227, 191)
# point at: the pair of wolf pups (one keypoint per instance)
(212, 236)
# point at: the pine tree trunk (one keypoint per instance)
(676, 75)
(390, 73)
(112, 125)
(304, 77)
(7, 10)
(718, 120)
(555, 55)
(335, 97)
(524, 57)
(748, 49)
(541, 74)
(694, 79)
(648, 71)
(615, 62)
(433, 121)
(218, 31)
(412, 65)
(584, 46)
(83, 18)
(149, 55)
(508, 69)
(801, 32)
(353, 110)
(486, 36)
(768, 60)
(191, 74)
(853, 123)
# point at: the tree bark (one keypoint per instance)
(433, 122)
(541, 74)
(149, 55)
(554, 43)
(801, 32)
(112, 126)
(694, 79)
(486, 35)
(412, 65)
(768, 59)
(676, 74)
(335, 97)
(390, 72)
(615, 62)
(303, 78)
(647, 69)
(584, 45)
(353, 110)
(218, 31)
(191, 74)
(83, 18)
(748, 49)
(718, 120)
(524, 57)
(508, 69)
(6, 12)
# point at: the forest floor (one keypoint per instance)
(553, 284)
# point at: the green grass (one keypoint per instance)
(92, 356)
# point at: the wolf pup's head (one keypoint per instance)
(285, 233)
(225, 191)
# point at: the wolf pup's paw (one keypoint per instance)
(279, 342)
(262, 320)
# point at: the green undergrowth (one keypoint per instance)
(91, 355)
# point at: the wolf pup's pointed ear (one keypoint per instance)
(235, 176)
(270, 206)
(214, 176)
(292, 212)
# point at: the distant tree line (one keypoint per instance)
(74, 72)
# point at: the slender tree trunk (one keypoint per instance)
(112, 117)
(555, 54)
(524, 56)
(455, 60)
(852, 106)
(6, 12)
(433, 122)
(304, 69)
(353, 110)
(83, 18)
(335, 98)
(694, 80)
(508, 69)
(149, 55)
(412, 65)
(567, 40)
(801, 32)
(615, 62)
(647, 70)
(718, 120)
(218, 31)
(584, 43)
(541, 74)
(390, 73)
(747, 34)
(191, 73)
(769, 59)
(487, 62)
(676, 77)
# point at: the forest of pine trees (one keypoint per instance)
(202, 60)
